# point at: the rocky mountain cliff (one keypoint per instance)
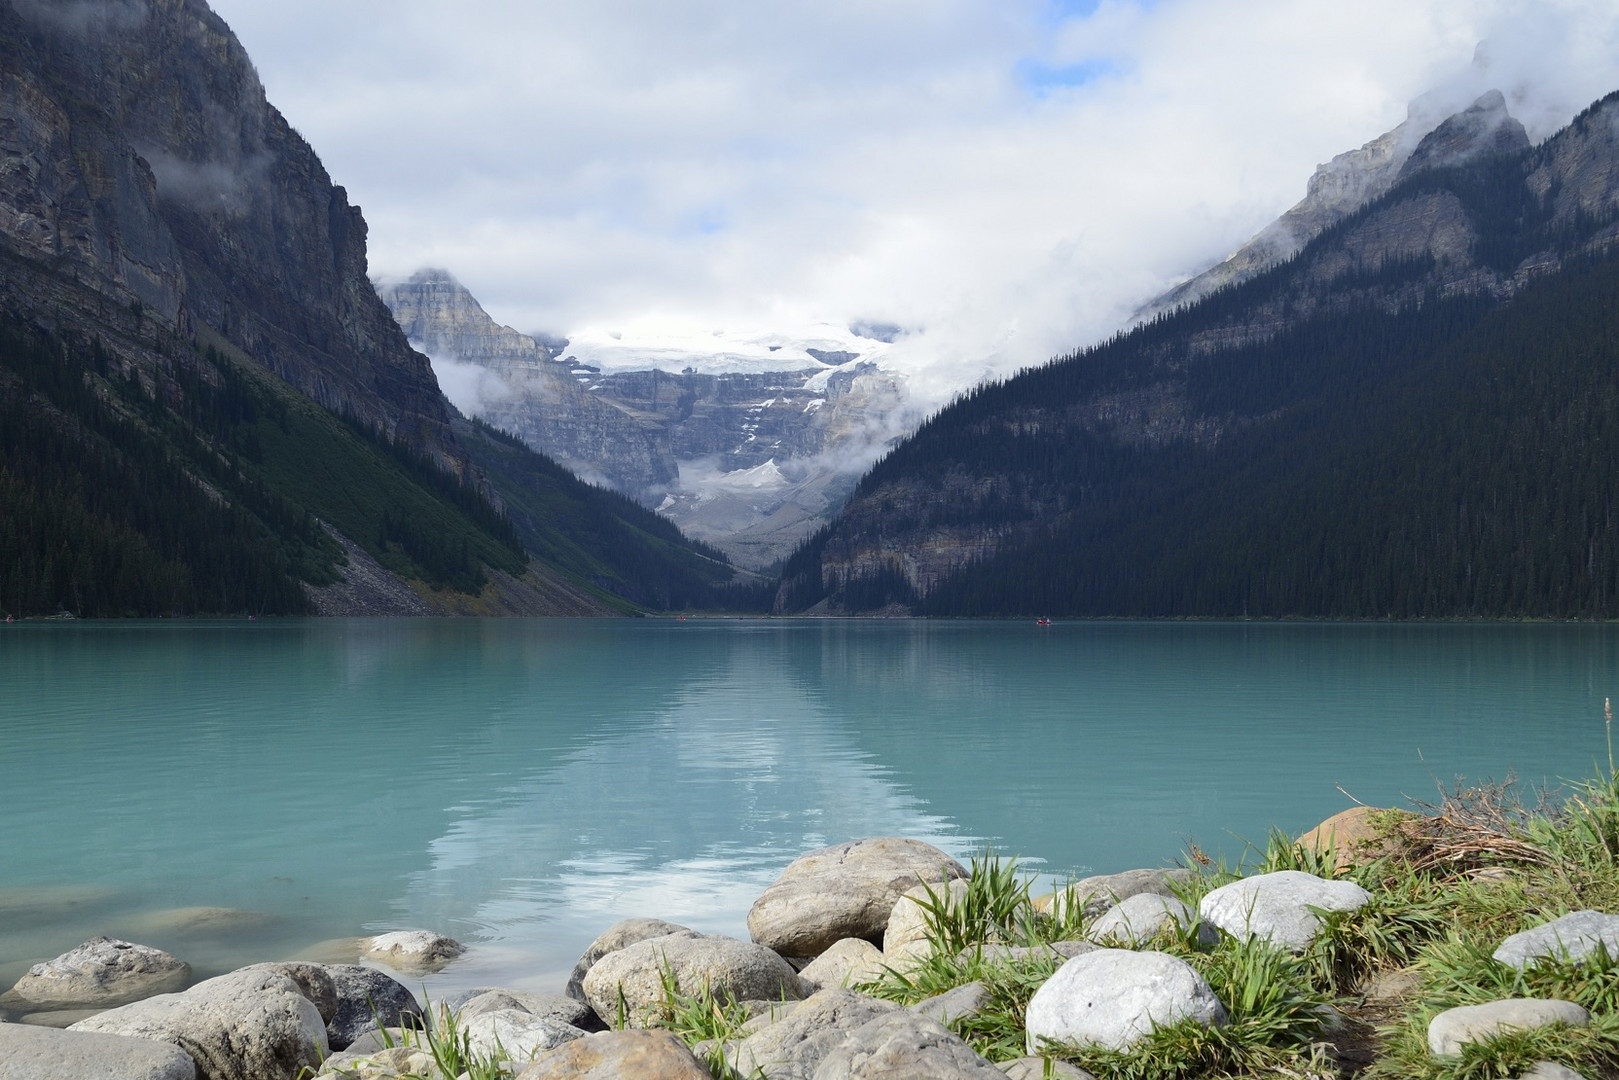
(144, 165)
(1411, 416)
(1353, 179)
(752, 461)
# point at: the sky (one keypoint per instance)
(1005, 179)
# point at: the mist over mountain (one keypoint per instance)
(1411, 416)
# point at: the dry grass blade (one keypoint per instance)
(1470, 828)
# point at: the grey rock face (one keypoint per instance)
(1113, 997)
(732, 970)
(1276, 907)
(847, 890)
(248, 1025)
(35, 1053)
(619, 1055)
(1141, 918)
(845, 963)
(615, 937)
(901, 1046)
(1454, 1028)
(1481, 130)
(365, 996)
(968, 999)
(555, 1007)
(417, 951)
(1096, 894)
(792, 1048)
(101, 973)
(1572, 937)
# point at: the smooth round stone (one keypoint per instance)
(623, 933)
(1114, 997)
(619, 1055)
(1574, 936)
(732, 970)
(847, 963)
(903, 1046)
(1455, 1028)
(1278, 907)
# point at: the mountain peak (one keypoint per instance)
(1483, 129)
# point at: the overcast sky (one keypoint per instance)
(1007, 177)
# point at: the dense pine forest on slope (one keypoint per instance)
(1421, 426)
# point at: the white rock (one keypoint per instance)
(615, 937)
(792, 1047)
(1039, 1068)
(1572, 937)
(1096, 894)
(901, 1046)
(1277, 907)
(906, 935)
(520, 1033)
(1550, 1070)
(1455, 1028)
(415, 951)
(1113, 997)
(847, 890)
(1140, 918)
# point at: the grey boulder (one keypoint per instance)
(367, 999)
(1573, 937)
(906, 935)
(36, 1053)
(615, 937)
(247, 1025)
(521, 1034)
(733, 970)
(1140, 918)
(847, 890)
(792, 1047)
(901, 1046)
(1455, 1028)
(556, 1007)
(1113, 997)
(101, 973)
(1094, 895)
(968, 999)
(1279, 907)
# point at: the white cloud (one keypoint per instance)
(921, 162)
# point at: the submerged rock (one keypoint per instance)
(847, 890)
(415, 951)
(101, 973)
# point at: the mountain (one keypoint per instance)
(1413, 416)
(748, 442)
(204, 406)
(1353, 179)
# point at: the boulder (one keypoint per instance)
(519, 1032)
(35, 1053)
(615, 937)
(905, 937)
(792, 1047)
(203, 922)
(420, 952)
(101, 973)
(847, 963)
(366, 996)
(1349, 836)
(555, 1007)
(1096, 894)
(1140, 918)
(314, 982)
(619, 1055)
(247, 1025)
(1455, 1028)
(1039, 1068)
(847, 890)
(968, 999)
(900, 1046)
(380, 1063)
(1277, 907)
(732, 970)
(1549, 1070)
(1572, 937)
(1113, 997)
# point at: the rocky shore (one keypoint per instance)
(885, 958)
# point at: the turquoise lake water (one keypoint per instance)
(522, 784)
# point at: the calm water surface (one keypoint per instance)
(521, 784)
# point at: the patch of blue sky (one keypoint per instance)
(708, 221)
(1041, 79)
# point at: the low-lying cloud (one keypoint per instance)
(1006, 179)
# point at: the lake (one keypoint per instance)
(522, 784)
